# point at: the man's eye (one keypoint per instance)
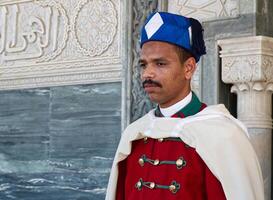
(161, 64)
(142, 65)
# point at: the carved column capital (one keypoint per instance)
(248, 59)
(247, 63)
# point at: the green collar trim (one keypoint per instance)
(192, 108)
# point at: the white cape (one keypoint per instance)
(220, 140)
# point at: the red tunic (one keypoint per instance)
(195, 180)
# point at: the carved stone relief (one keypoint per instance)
(233, 71)
(27, 31)
(58, 37)
(206, 9)
(102, 17)
(267, 69)
(255, 68)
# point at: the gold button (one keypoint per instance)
(152, 185)
(156, 162)
(172, 188)
(179, 162)
(141, 162)
(139, 184)
(160, 139)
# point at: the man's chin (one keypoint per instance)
(154, 98)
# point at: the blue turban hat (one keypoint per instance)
(184, 32)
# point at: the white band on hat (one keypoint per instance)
(190, 34)
(153, 25)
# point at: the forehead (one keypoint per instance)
(154, 49)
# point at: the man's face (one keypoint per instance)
(163, 74)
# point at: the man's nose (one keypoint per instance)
(148, 72)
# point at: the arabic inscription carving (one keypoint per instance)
(32, 32)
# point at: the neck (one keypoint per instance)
(171, 110)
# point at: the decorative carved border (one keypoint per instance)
(8, 2)
(57, 66)
(62, 79)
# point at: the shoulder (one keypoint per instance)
(216, 121)
(220, 117)
(140, 124)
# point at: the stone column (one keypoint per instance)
(247, 63)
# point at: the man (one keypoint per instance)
(182, 149)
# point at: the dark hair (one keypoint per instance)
(182, 54)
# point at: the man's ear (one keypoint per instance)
(190, 66)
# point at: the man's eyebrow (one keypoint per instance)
(141, 61)
(160, 59)
(153, 60)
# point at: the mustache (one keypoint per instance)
(149, 81)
